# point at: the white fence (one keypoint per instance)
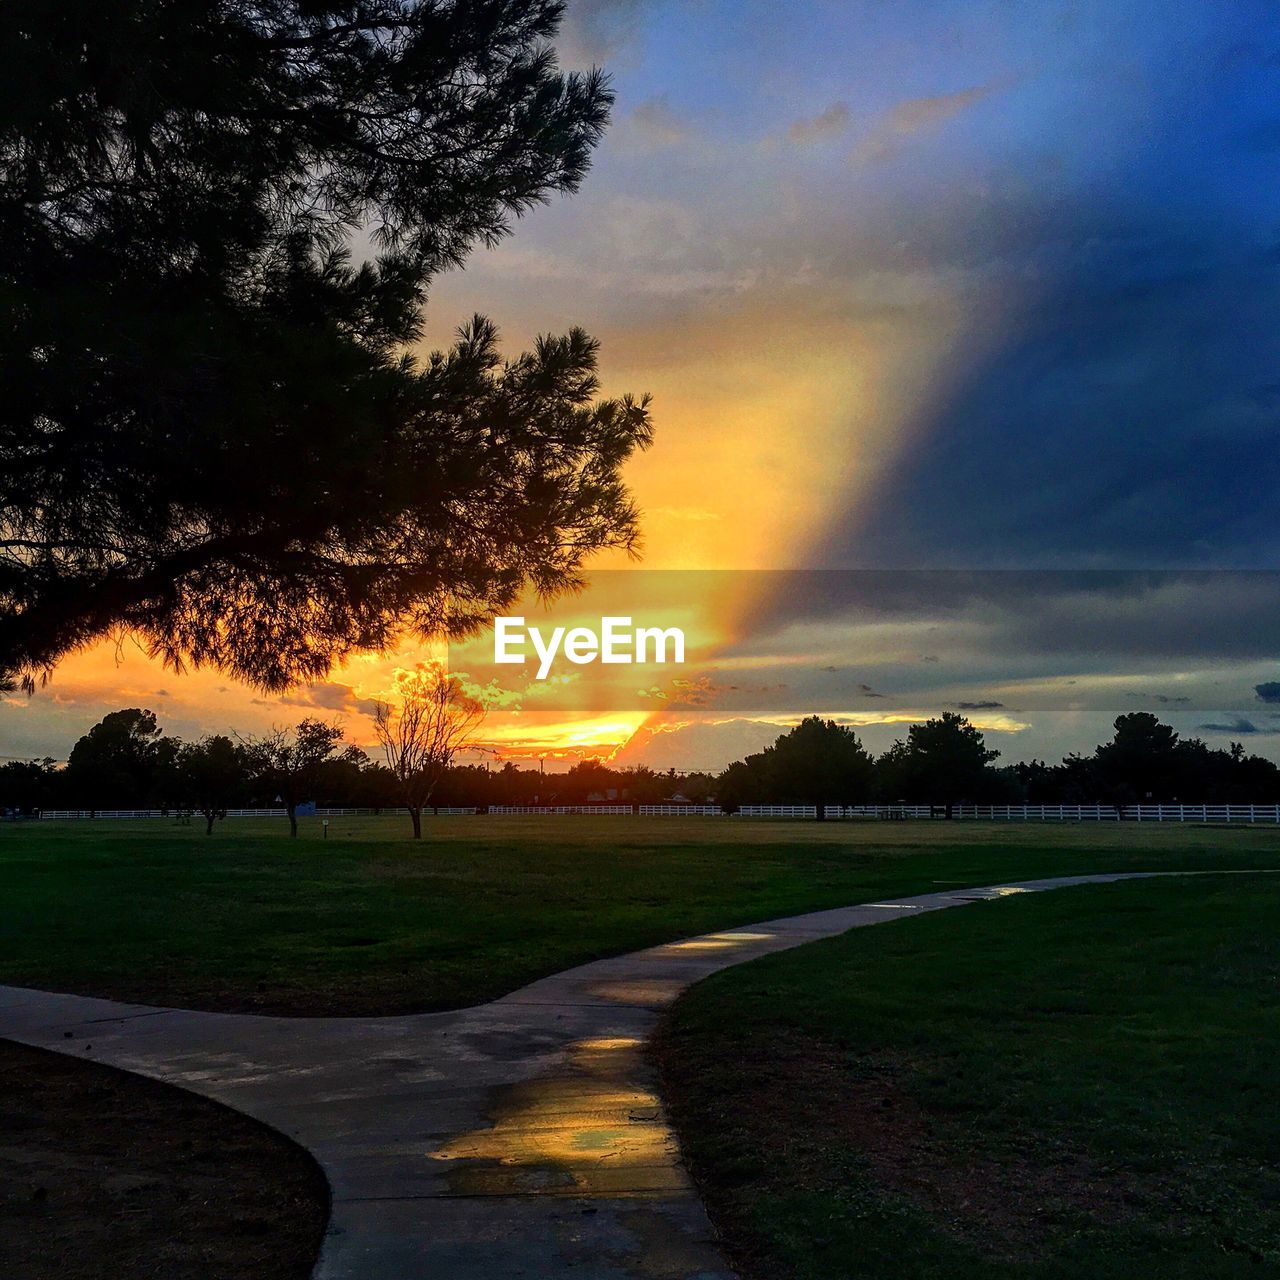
(644, 810)
(1203, 812)
(105, 813)
(879, 811)
(681, 810)
(1037, 812)
(1232, 813)
(450, 810)
(559, 808)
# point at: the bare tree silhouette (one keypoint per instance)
(419, 738)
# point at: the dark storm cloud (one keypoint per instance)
(1126, 421)
(1200, 614)
(1268, 692)
(330, 696)
(1240, 725)
(1114, 401)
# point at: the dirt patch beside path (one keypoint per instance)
(105, 1174)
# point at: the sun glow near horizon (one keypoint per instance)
(748, 470)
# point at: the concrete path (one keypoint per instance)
(520, 1138)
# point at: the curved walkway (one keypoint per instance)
(519, 1138)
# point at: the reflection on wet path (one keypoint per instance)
(982, 895)
(719, 941)
(593, 1127)
(592, 1124)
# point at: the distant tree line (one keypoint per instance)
(126, 761)
(946, 761)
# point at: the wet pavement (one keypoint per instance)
(520, 1138)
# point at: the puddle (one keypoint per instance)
(644, 993)
(986, 895)
(594, 1127)
(719, 941)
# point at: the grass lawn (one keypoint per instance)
(368, 921)
(1080, 1084)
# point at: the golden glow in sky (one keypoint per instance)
(753, 457)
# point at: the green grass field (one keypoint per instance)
(367, 921)
(1079, 1084)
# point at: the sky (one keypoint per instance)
(942, 288)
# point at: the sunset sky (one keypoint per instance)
(924, 285)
